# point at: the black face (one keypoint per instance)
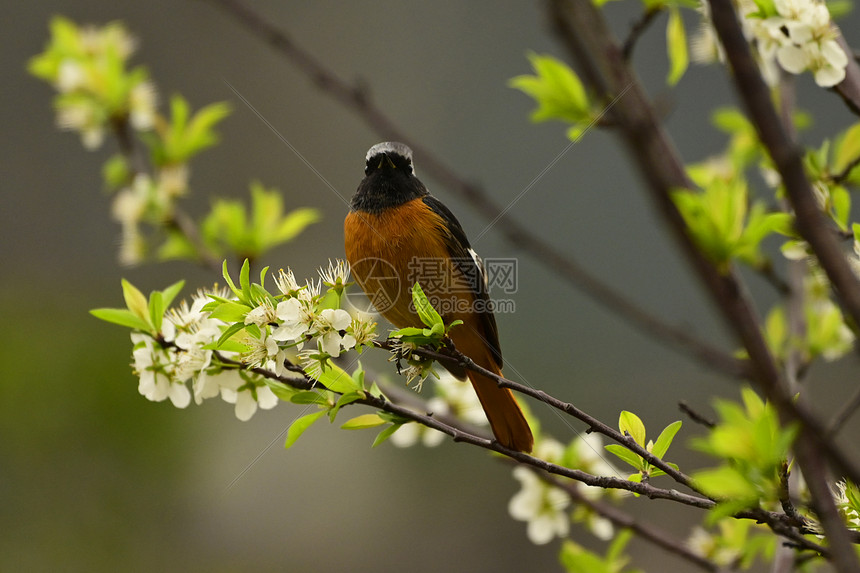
(388, 180)
(388, 160)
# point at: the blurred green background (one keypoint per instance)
(93, 477)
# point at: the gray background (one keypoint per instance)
(93, 477)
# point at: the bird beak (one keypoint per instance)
(383, 159)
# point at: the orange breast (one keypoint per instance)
(390, 251)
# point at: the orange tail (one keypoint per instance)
(505, 416)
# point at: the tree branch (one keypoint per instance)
(459, 434)
(460, 359)
(618, 518)
(780, 523)
(354, 96)
(582, 29)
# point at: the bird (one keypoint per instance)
(396, 234)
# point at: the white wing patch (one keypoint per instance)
(480, 264)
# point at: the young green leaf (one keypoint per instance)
(385, 434)
(623, 453)
(665, 440)
(156, 309)
(338, 380)
(298, 427)
(676, 42)
(629, 423)
(426, 312)
(363, 422)
(122, 317)
(135, 301)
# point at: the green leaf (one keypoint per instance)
(839, 8)
(426, 312)
(725, 482)
(298, 427)
(363, 422)
(841, 200)
(230, 311)
(281, 390)
(135, 301)
(556, 89)
(116, 172)
(245, 282)
(225, 272)
(676, 42)
(665, 440)
(156, 309)
(408, 331)
(294, 223)
(385, 434)
(177, 246)
(623, 453)
(629, 423)
(345, 399)
(337, 379)
(229, 332)
(122, 317)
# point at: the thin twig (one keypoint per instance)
(446, 355)
(843, 175)
(355, 97)
(619, 518)
(459, 434)
(636, 31)
(778, 522)
(844, 414)
(695, 416)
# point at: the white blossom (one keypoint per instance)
(156, 369)
(541, 505)
(336, 275)
(286, 282)
(141, 101)
(248, 398)
(262, 314)
(297, 319)
(330, 323)
(799, 37)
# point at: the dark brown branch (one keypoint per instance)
(811, 224)
(582, 28)
(460, 435)
(779, 523)
(593, 423)
(355, 97)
